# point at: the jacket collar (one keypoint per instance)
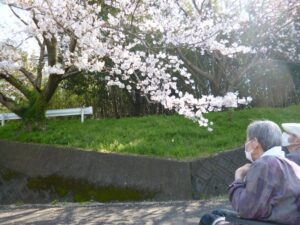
(275, 151)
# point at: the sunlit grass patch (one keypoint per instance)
(163, 136)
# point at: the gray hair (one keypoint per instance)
(267, 133)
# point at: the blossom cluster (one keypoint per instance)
(10, 59)
(135, 36)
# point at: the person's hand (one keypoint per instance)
(241, 172)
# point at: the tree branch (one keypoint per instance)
(73, 73)
(73, 42)
(36, 24)
(51, 49)
(132, 16)
(193, 67)
(241, 72)
(8, 103)
(17, 15)
(51, 86)
(182, 9)
(27, 74)
(30, 78)
(197, 8)
(40, 66)
(17, 84)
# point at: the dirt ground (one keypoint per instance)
(176, 212)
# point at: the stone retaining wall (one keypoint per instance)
(169, 179)
(211, 176)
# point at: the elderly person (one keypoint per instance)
(291, 141)
(268, 188)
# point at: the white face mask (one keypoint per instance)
(248, 153)
(248, 156)
(285, 139)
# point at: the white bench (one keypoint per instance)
(53, 113)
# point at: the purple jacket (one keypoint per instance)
(270, 191)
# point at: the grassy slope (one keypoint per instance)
(165, 136)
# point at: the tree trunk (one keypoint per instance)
(216, 90)
(137, 103)
(33, 113)
(33, 116)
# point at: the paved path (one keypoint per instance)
(179, 212)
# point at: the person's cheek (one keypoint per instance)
(291, 139)
(297, 140)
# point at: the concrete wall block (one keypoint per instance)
(170, 179)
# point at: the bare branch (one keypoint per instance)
(16, 83)
(17, 15)
(240, 73)
(73, 73)
(36, 23)
(132, 16)
(194, 67)
(40, 66)
(30, 78)
(8, 103)
(197, 8)
(52, 50)
(181, 8)
(51, 86)
(73, 42)
(27, 74)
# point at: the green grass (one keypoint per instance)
(162, 136)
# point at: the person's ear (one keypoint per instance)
(255, 143)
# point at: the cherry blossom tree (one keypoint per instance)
(129, 43)
(270, 28)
